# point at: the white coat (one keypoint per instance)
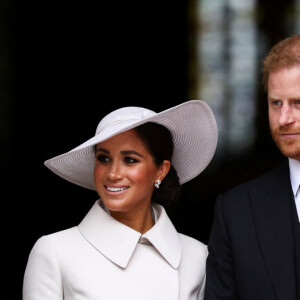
(105, 259)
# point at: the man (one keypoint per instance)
(254, 247)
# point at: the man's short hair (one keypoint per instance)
(284, 54)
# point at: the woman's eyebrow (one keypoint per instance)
(126, 152)
(102, 150)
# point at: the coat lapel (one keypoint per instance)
(164, 237)
(271, 207)
(117, 242)
(114, 240)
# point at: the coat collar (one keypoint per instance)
(271, 207)
(117, 242)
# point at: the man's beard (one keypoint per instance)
(289, 147)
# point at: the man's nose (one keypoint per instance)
(286, 115)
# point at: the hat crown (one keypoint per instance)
(124, 117)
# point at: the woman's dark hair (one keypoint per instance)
(159, 143)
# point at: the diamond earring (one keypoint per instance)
(157, 183)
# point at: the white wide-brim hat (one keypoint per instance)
(192, 125)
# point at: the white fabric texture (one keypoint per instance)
(103, 259)
(295, 181)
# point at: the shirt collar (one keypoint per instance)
(117, 241)
(294, 174)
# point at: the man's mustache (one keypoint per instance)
(286, 130)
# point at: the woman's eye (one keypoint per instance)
(130, 160)
(102, 158)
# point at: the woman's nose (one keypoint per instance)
(114, 172)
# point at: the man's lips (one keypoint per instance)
(288, 134)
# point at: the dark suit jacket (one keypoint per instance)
(251, 247)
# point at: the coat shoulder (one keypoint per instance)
(193, 247)
(261, 183)
(57, 240)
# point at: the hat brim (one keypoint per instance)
(194, 131)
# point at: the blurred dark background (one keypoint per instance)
(65, 64)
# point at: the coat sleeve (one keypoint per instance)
(220, 274)
(202, 290)
(42, 279)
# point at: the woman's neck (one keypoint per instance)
(140, 220)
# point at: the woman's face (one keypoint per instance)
(125, 173)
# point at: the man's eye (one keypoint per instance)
(276, 103)
(102, 158)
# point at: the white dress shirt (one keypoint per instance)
(295, 181)
(105, 259)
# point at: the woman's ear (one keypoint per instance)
(163, 170)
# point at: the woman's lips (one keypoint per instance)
(116, 189)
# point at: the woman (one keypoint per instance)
(126, 246)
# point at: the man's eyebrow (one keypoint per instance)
(273, 97)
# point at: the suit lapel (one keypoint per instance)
(271, 206)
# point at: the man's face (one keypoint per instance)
(284, 110)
